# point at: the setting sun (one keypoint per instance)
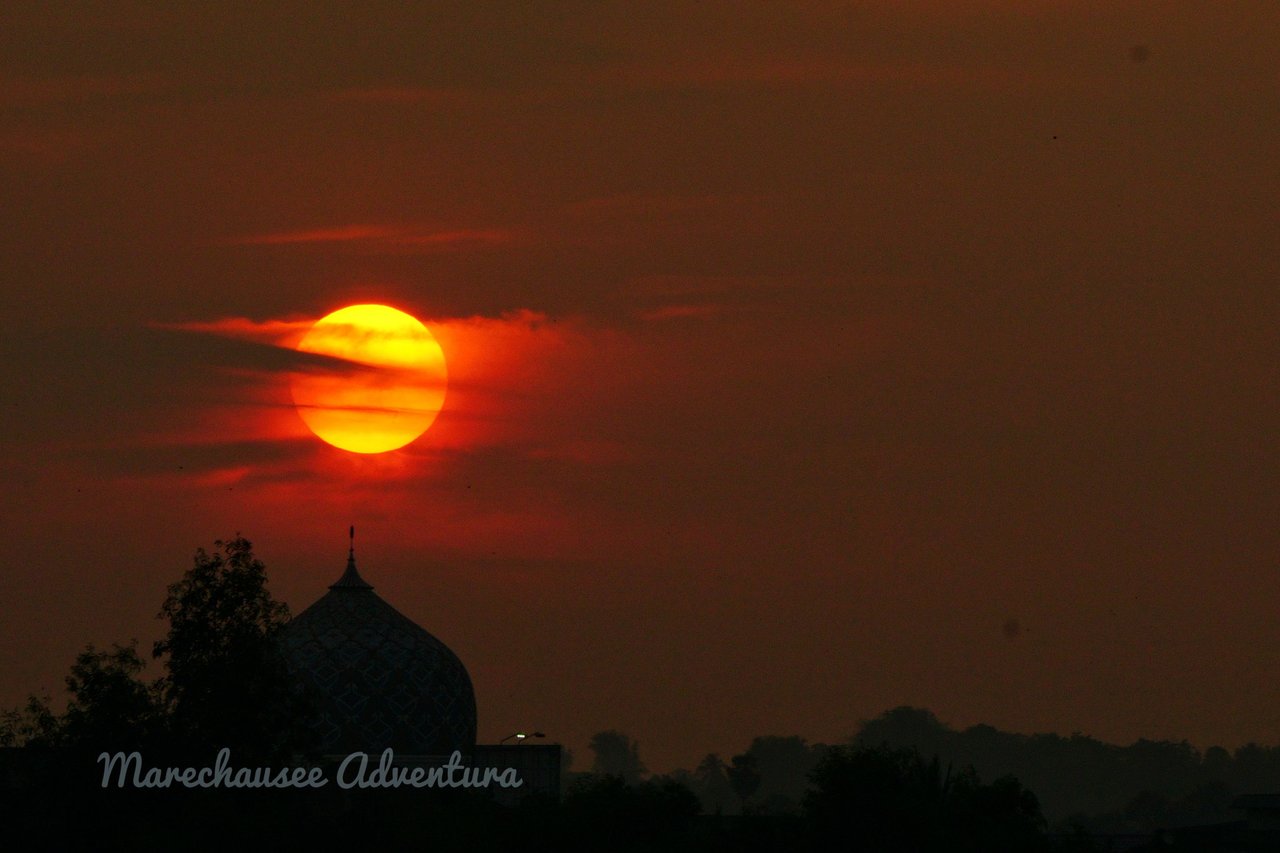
(390, 389)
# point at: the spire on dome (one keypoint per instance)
(351, 578)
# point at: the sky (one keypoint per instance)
(805, 360)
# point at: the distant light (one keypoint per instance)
(520, 736)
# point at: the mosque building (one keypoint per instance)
(381, 681)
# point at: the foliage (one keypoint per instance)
(744, 777)
(711, 784)
(1080, 780)
(110, 707)
(34, 724)
(225, 684)
(893, 800)
(617, 755)
(614, 815)
(785, 764)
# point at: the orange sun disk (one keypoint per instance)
(390, 391)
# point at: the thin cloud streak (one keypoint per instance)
(389, 235)
(677, 312)
(339, 234)
(786, 72)
(404, 95)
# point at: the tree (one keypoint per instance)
(111, 708)
(227, 683)
(604, 812)
(713, 785)
(108, 707)
(905, 727)
(744, 777)
(893, 800)
(871, 798)
(617, 755)
(784, 764)
(34, 725)
(1002, 815)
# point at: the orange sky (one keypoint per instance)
(794, 349)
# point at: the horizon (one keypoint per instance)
(792, 362)
(578, 752)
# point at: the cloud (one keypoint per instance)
(391, 236)
(677, 312)
(404, 95)
(800, 71)
(274, 332)
(462, 237)
(337, 234)
(496, 366)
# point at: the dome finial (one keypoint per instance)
(351, 578)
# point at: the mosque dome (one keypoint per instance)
(379, 680)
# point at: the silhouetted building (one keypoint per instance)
(380, 680)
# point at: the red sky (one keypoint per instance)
(794, 349)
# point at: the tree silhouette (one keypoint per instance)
(1080, 780)
(713, 785)
(1001, 816)
(784, 764)
(110, 707)
(905, 727)
(744, 777)
(227, 683)
(617, 755)
(603, 812)
(893, 800)
(34, 725)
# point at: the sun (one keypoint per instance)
(386, 390)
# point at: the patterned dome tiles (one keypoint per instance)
(381, 680)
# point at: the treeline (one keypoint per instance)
(879, 800)
(873, 800)
(1079, 781)
(1106, 787)
(904, 781)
